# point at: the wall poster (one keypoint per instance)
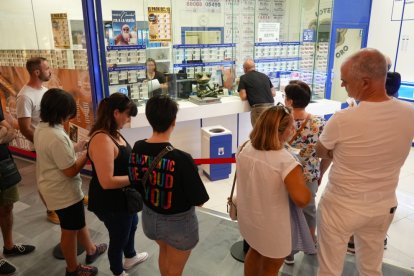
(159, 21)
(124, 28)
(60, 30)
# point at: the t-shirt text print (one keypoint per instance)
(175, 184)
(159, 191)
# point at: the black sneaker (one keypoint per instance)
(351, 248)
(100, 249)
(83, 270)
(18, 249)
(290, 260)
(6, 268)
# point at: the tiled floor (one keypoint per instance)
(400, 235)
(217, 234)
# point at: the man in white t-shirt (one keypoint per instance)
(368, 144)
(28, 105)
(29, 97)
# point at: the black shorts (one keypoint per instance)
(72, 217)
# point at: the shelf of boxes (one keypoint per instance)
(61, 59)
(274, 57)
(126, 71)
(185, 53)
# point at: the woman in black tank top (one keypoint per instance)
(109, 153)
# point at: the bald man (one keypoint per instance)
(257, 89)
(367, 155)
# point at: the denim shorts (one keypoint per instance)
(178, 230)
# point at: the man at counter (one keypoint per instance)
(256, 88)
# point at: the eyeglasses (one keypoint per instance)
(125, 29)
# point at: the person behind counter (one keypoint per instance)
(153, 74)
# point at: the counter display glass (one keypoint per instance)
(200, 45)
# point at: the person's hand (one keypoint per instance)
(80, 146)
(7, 135)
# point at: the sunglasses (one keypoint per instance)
(285, 109)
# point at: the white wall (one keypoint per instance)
(18, 20)
(383, 35)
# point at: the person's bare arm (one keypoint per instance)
(76, 167)
(25, 126)
(323, 152)
(243, 94)
(296, 187)
(102, 152)
(325, 163)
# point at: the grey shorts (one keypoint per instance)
(179, 230)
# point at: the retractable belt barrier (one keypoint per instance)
(198, 161)
(203, 161)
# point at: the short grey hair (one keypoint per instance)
(368, 62)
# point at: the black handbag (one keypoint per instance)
(9, 174)
(134, 200)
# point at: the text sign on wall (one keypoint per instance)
(210, 6)
(268, 32)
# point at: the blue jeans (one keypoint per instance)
(121, 227)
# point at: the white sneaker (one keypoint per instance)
(137, 259)
(123, 274)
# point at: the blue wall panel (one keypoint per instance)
(351, 11)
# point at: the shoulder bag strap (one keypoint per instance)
(154, 162)
(300, 129)
(235, 174)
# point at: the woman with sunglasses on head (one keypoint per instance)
(109, 154)
(267, 175)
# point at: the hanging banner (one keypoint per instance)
(76, 82)
(124, 28)
(60, 30)
(159, 21)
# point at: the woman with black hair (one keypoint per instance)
(109, 154)
(59, 181)
(152, 74)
